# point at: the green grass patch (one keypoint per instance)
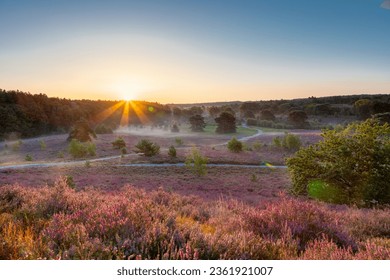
(323, 191)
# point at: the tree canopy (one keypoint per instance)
(353, 162)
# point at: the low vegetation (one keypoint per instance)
(234, 145)
(119, 143)
(80, 150)
(58, 222)
(147, 148)
(351, 165)
(196, 162)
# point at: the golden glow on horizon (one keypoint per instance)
(125, 115)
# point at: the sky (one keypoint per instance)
(177, 51)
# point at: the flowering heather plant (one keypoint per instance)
(58, 222)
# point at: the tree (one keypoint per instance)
(297, 118)
(354, 163)
(363, 108)
(267, 115)
(81, 132)
(197, 123)
(226, 123)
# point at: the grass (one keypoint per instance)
(241, 131)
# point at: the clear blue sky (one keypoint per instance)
(195, 51)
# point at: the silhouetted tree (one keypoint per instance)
(197, 123)
(267, 115)
(226, 123)
(81, 132)
(297, 118)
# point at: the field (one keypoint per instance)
(128, 206)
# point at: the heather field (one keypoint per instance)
(58, 222)
(114, 205)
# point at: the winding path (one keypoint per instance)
(80, 162)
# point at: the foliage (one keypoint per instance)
(197, 123)
(277, 142)
(234, 145)
(81, 132)
(267, 115)
(42, 144)
(28, 157)
(79, 150)
(196, 162)
(297, 118)
(103, 129)
(147, 148)
(226, 123)
(119, 143)
(291, 142)
(16, 145)
(363, 108)
(179, 141)
(175, 128)
(172, 151)
(257, 145)
(355, 160)
(57, 222)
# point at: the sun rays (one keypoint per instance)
(132, 112)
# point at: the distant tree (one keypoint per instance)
(175, 128)
(253, 107)
(177, 112)
(197, 123)
(81, 132)
(172, 152)
(297, 118)
(363, 108)
(214, 111)
(226, 123)
(267, 115)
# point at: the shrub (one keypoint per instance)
(28, 157)
(119, 143)
(79, 150)
(257, 146)
(81, 132)
(291, 142)
(147, 148)
(123, 151)
(234, 145)
(196, 162)
(172, 151)
(103, 129)
(42, 144)
(179, 141)
(277, 142)
(175, 128)
(355, 160)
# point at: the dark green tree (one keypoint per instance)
(353, 162)
(197, 123)
(226, 123)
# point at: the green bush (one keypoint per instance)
(291, 142)
(119, 143)
(147, 148)
(79, 150)
(103, 129)
(234, 145)
(172, 151)
(277, 142)
(257, 146)
(355, 161)
(42, 144)
(196, 162)
(28, 157)
(179, 141)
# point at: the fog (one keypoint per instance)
(151, 131)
